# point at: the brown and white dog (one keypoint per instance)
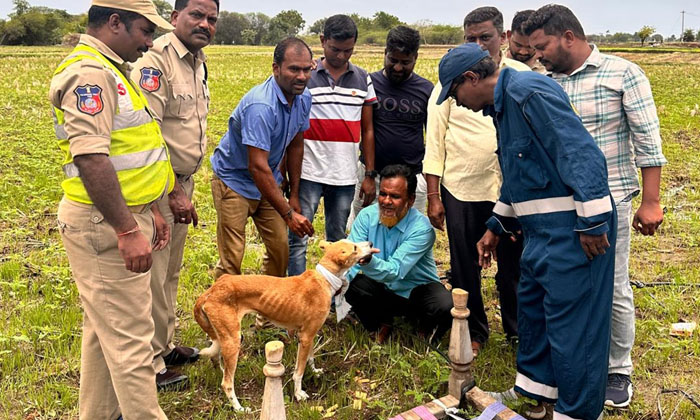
(299, 303)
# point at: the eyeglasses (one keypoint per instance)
(455, 85)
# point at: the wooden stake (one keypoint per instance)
(273, 397)
(460, 351)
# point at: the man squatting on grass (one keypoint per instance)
(268, 123)
(617, 107)
(401, 279)
(341, 114)
(116, 165)
(555, 190)
(173, 77)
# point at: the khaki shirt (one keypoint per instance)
(173, 80)
(89, 129)
(533, 63)
(460, 147)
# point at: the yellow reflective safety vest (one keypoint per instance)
(137, 149)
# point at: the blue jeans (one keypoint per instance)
(337, 200)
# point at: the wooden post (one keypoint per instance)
(460, 351)
(273, 397)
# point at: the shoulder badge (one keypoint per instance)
(89, 99)
(150, 79)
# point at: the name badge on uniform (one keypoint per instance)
(150, 79)
(89, 99)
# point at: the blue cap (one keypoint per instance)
(455, 62)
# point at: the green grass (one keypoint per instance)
(40, 313)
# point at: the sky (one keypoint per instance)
(596, 16)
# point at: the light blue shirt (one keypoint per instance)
(405, 259)
(262, 119)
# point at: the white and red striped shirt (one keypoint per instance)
(332, 142)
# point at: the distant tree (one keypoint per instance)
(230, 27)
(442, 34)
(688, 36)
(21, 7)
(697, 35)
(671, 38)
(285, 23)
(363, 23)
(260, 23)
(645, 33)
(620, 37)
(383, 20)
(317, 27)
(164, 9)
(248, 36)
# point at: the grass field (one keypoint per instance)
(40, 313)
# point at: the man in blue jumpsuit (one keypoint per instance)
(555, 190)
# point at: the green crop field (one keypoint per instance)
(40, 316)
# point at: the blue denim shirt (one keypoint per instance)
(405, 259)
(262, 119)
(553, 172)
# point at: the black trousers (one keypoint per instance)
(428, 305)
(466, 224)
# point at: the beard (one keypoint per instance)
(391, 221)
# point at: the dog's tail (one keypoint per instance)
(201, 317)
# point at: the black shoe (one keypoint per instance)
(181, 355)
(618, 393)
(170, 380)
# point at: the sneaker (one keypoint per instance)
(618, 393)
(535, 412)
(181, 355)
(170, 380)
(505, 396)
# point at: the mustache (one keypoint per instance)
(202, 31)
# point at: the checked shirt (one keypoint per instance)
(614, 100)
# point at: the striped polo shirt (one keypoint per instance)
(332, 142)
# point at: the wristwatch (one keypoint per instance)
(371, 174)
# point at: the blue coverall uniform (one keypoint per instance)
(555, 187)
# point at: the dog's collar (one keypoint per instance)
(335, 281)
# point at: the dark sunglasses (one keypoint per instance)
(455, 85)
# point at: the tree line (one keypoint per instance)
(36, 25)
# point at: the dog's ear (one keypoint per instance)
(323, 244)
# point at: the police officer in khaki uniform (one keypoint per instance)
(173, 77)
(116, 165)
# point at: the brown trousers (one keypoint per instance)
(116, 370)
(165, 275)
(232, 213)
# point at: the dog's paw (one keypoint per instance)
(238, 407)
(316, 371)
(301, 395)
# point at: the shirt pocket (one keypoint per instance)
(182, 100)
(522, 164)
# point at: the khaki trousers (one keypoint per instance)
(165, 275)
(232, 213)
(116, 370)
